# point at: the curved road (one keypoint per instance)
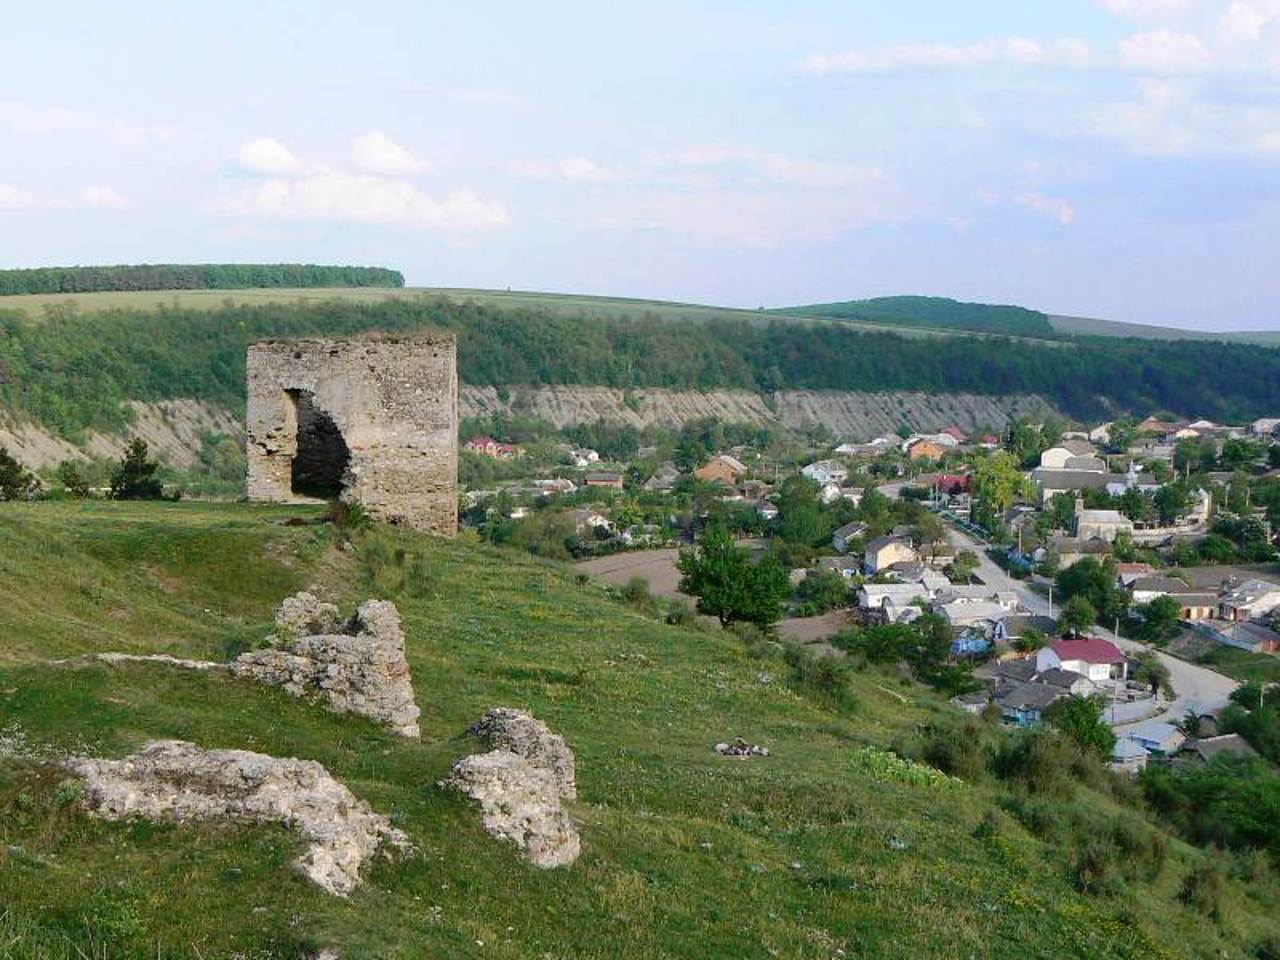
(1195, 687)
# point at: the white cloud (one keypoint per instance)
(1066, 52)
(96, 197)
(1165, 51)
(375, 152)
(1173, 117)
(335, 196)
(99, 197)
(1148, 9)
(15, 198)
(31, 120)
(270, 156)
(1054, 207)
(585, 170)
(1246, 20)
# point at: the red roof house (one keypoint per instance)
(1099, 660)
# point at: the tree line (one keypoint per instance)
(74, 371)
(193, 276)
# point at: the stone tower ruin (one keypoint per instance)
(372, 420)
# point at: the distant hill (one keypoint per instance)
(934, 313)
(192, 276)
(1089, 326)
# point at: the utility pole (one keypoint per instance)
(1051, 601)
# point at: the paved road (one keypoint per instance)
(1195, 687)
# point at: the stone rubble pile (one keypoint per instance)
(740, 748)
(356, 666)
(520, 786)
(176, 781)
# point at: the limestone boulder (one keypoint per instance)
(505, 728)
(520, 803)
(176, 781)
(521, 785)
(359, 667)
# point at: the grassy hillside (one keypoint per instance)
(938, 313)
(824, 849)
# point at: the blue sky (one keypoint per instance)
(1115, 158)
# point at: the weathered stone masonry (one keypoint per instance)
(372, 420)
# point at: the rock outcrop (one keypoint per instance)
(357, 667)
(504, 728)
(171, 780)
(521, 785)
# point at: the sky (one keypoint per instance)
(1111, 158)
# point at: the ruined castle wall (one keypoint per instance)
(393, 400)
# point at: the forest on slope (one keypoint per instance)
(936, 313)
(192, 276)
(74, 371)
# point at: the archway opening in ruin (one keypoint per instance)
(320, 465)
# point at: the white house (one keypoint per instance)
(1253, 598)
(583, 457)
(1055, 458)
(824, 472)
(1098, 659)
(1265, 425)
(1146, 589)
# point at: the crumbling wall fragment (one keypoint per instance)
(521, 785)
(388, 406)
(176, 781)
(357, 667)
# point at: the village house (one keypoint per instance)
(824, 472)
(1011, 628)
(1126, 573)
(663, 480)
(971, 613)
(489, 447)
(1146, 589)
(882, 552)
(1099, 660)
(847, 567)
(845, 536)
(612, 480)
(1051, 482)
(583, 457)
(553, 486)
(721, 469)
(1201, 750)
(1265, 426)
(586, 520)
(1245, 635)
(925, 450)
(1056, 458)
(1071, 550)
(1249, 600)
(1160, 739)
(1024, 704)
(1194, 605)
(1100, 524)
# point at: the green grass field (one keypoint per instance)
(821, 850)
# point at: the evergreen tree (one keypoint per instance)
(16, 482)
(134, 478)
